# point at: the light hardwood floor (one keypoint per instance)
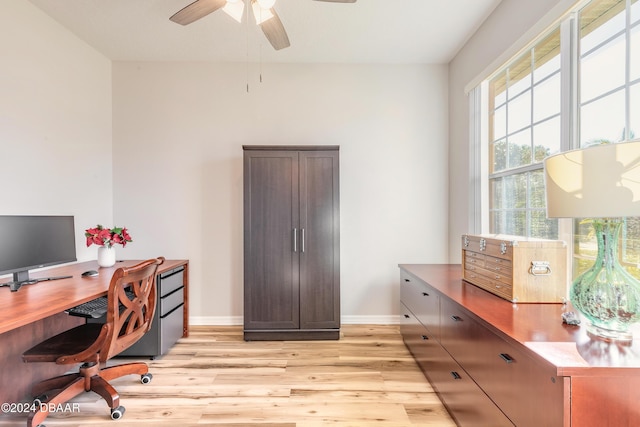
(214, 377)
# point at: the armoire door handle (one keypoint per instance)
(302, 239)
(295, 240)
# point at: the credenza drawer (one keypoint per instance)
(466, 402)
(422, 300)
(500, 369)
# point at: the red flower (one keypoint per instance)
(107, 236)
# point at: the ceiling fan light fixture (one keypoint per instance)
(260, 14)
(266, 4)
(235, 9)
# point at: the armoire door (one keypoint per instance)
(320, 240)
(271, 218)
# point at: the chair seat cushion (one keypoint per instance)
(69, 342)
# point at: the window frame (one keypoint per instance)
(570, 107)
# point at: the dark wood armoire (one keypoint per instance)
(291, 243)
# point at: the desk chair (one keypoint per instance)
(92, 344)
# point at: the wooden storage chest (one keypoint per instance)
(515, 268)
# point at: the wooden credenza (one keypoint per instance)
(495, 363)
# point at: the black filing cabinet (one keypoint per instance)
(167, 326)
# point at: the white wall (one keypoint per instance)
(512, 24)
(178, 135)
(55, 122)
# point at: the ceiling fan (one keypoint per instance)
(263, 12)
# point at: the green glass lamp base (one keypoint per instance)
(609, 334)
(606, 294)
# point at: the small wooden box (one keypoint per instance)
(516, 268)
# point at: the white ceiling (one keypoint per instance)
(368, 31)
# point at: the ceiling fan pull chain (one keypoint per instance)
(247, 43)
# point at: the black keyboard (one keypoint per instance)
(95, 308)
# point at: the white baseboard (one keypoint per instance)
(346, 320)
(216, 320)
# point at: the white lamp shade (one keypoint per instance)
(601, 181)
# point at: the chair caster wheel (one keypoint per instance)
(146, 378)
(38, 401)
(117, 413)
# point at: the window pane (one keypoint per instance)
(499, 155)
(546, 98)
(603, 120)
(603, 69)
(498, 89)
(585, 246)
(496, 193)
(635, 53)
(519, 75)
(630, 237)
(519, 112)
(547, 56)
(519, 149)
(635, 10)
(600, 20)
(500, 123)
(536, 189)
(515, 191)
(541, 227)
(546, 138)
(495, 222)
(634, 125)
(515, 223)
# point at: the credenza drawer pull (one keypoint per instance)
(456, 318)
(455, 375)
(406, 316)
(506, 357)
(424, 337)
(425, 294)
(407, 280)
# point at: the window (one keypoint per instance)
(609, 97)
(537, 108)
(524, 129)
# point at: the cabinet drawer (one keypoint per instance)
(422, 300)
(418, 339)
(500, 288)
(467, 403)
(500, 369)
(172, 327)
(170, 280)
(171, 301)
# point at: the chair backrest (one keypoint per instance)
(129, 319)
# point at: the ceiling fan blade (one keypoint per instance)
(196, 10)
(339, 1)
(275, 32)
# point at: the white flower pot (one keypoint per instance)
(106, 256)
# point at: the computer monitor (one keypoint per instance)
(28, 242)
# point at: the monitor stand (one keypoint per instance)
(21, 278)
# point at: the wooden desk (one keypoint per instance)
(36, 312)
